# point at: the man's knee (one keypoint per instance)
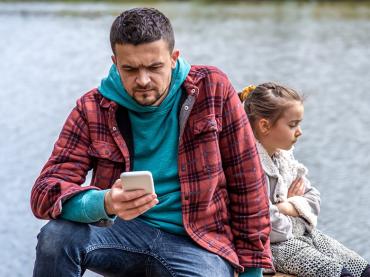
(59, 236)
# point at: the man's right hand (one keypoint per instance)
(127, 204)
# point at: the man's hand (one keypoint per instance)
(297, 188)
(127, 204)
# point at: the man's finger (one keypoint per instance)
(143, 208)
(138, 202)
(117, 183)
(125, 196)
(135, 212)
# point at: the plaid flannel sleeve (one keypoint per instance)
(66, 169)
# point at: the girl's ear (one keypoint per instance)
(264, 126)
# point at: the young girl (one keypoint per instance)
(298, 248)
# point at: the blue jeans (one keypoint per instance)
(127, 248)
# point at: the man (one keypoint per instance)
(185, 124)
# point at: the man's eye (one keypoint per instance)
(129, 69)
(156, 67)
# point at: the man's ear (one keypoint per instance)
(114, 60)
(264, 126)
(174, 56)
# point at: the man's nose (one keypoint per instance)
(143, 78)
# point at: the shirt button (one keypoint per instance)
(186, 108)
(114, 128)
(193, 90)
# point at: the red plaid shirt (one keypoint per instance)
(223, 191)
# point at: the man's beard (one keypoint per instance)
(146, 98)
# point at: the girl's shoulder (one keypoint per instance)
(283, 161)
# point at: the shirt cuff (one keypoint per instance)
(251, 272)
(86, 207)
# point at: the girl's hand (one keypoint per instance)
(287, 208)
(296, 188)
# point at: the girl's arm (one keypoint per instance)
(281, 225)
(307, 205)
(301, 195)
(287, 208)
(297, 188)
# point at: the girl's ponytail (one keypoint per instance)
(245, 92)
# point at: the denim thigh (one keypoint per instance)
(186, 258)
(127, 248)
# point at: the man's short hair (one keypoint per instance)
(141, 25)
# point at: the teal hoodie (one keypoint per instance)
(155, 131)
(155, 150)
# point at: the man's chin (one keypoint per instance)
(145, 101)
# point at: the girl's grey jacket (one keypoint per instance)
(281, 171)
(297, 246)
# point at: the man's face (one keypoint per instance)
(145, 70)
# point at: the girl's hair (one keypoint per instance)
(268, 100)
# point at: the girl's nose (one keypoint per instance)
(298, 132)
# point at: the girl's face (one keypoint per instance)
(285, 132)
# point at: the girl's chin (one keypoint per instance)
(288, 147)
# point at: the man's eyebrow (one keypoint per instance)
(127, 66)
(155, 64)
(134, 67)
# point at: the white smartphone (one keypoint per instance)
(134, 180)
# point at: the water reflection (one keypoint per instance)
(279, 10)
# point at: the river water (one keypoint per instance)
(52, 53)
